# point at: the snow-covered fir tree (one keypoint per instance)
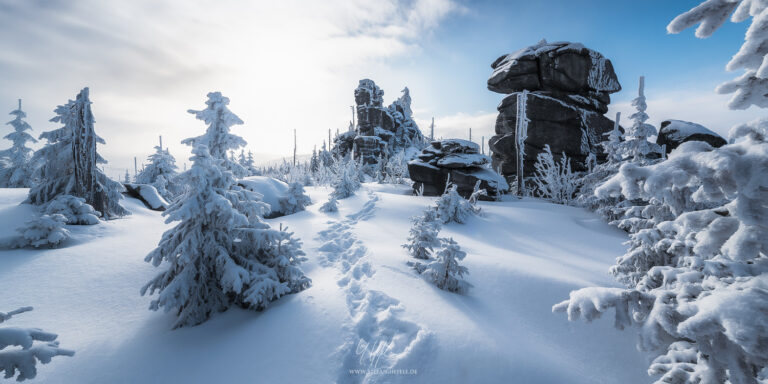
(69, 162)
(314, 161)
(296, 200)
(160, 172)
(554, 180)
(46, 231)
(221, 253)
(17, 169)
(74, 209)
(127, 177)
(29, 346)
(217, 137)
(451, 207)
(636, 146)
(444, 271)
(347, 179)
(330, 206)
(422, 238)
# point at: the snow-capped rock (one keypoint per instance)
(675, 132)
(148, 195)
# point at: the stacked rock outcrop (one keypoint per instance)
(381, 131)
(567, 88)
(457, 160)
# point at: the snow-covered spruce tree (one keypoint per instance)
(69, 162)
(451, 207)
(42, 231)
(217, 138)
(36, 345)
(346, 181)
(296, 200)
(707, 305)
(18, 169)
(73, 208)
(330, 206)
(444, 271)
(751, 87)
(422, 238)
(396, 168)
(608, 206)
(636, 146)
(554, 181)
(221, 253)
(127, 177)
(160, 173)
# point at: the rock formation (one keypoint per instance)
(381, 131)
(459, 160)
(568, 90)
(675, 132)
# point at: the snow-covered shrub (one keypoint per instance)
(217, 137)
(597, 175)
(396, 168)
(347, 180)
(451, 207)
(330, 206)
(444, 271)
(296, 199)
(422, 238)
(554, 180)
(17, 169)
(69, 162)
(221, 253)
(42, 231)
(706, 305)
(36, 345)
(73, 208)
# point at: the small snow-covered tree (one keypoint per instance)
(36, 345)
(330, 206)
(217, 137)
(18, 169)
(422, 238)
(127, 177)
(221, 253)
(296, 200)
(636, 146)
(444, 271)
(70, 162)
(451, 207)
(160, 172)
(42, 231)
(347, 180)
(554, 180)
(706, 304)
(396, 168)
(73, 208)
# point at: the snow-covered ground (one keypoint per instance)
(365, 308)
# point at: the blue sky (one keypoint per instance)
(294, 64)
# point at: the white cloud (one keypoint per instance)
(285, 65)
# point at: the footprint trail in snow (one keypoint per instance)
(382, 347)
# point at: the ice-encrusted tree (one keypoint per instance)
(217, 137)
(36, 345)
(751, 87)
(160, 173)
(451, 207)
(296, 199)
(444, 271)
(554, 180)
(636, 146)
(422, 238)
(221, 253)
(18, 169)
(705, 306)
(69, 162)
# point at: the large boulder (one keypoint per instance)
(148, 195)
(675, 132)
(567, 88)
(456, 160)
(269, 189)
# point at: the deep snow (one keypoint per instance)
(523, 257)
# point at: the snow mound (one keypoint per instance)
(270, 189)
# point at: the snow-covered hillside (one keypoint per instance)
(366, 308)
